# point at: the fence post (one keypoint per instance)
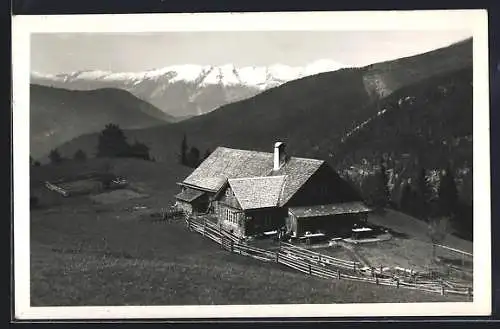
(232, 245)
(373, 272)
(354, 266)
(310, 269)
(221, 237)
(380, 269)
(397, 283)
(442, 289)
(277, 256)
(338, 275)
(204, 225)
(376, 279)
(469, 292)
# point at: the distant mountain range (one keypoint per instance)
(58, 115)
(341, 115)
(187, 90)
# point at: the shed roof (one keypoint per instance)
(226, 163)
(257, 192)
(330, 209)
(189, 195)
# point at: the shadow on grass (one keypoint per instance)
(395, 234)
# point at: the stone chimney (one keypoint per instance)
(279, 155)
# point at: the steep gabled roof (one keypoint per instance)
(257, 192)
(297, 172)
(226, 163)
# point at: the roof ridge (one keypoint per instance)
(271, 153)
(255, 177)
(308, 159)
(281, 192)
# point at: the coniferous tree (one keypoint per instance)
(423, 195)
(184, 149)
(112, 142)
(381, 188)
(55, 157)
(80, 156)
(439, 228)
(406, 200)
(193, 157)
(375, 188)
(385, 185)
(448, 193)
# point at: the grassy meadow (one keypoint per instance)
(92, 254)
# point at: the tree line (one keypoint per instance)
(416, 197)
(191, 156)
(112, 143)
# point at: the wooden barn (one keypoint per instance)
(253, 192)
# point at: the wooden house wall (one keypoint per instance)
(332, 225)
(228, 198)
(325, 186)
(248, 222)
(264, 220)
(231, 219)
(229, 213)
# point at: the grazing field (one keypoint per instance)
(407, 226)
(117, 196)
(411, 248)
(85, 253)
(103, 260)
(407, 253)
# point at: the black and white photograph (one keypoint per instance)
(251, 165)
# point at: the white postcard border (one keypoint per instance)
(474, 20)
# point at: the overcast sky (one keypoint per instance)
(59, 52)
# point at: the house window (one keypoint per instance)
(231, 216)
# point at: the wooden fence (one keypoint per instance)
(320, 265)
(463, 253)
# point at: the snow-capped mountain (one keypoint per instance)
(187, 90)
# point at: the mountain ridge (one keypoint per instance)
(330, 104)
(187, 90)
(59, 115)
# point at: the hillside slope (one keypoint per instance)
(58, 115)
(113, 255)
(298, 109)
(430, 120)
(383, 78)
(313, 114)
(188, 90)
